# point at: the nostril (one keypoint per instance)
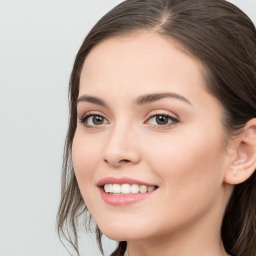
(117, 162)
(124, 161)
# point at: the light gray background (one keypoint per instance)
(38, 43)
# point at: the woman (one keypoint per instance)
(161, 146)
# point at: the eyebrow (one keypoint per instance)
(91, 99)
(141, 100)
(148, 98)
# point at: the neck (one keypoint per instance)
(192, 241)
(166, 247)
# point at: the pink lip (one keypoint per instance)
(122, 199)
(122, 180)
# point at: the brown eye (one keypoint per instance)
(97, 120)
(93, 120)
(162, 120)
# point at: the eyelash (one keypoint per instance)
(85, 118)
(171, 120)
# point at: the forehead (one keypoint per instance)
(139, 58)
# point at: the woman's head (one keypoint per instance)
(204, 51)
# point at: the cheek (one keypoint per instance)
(188, 161)
(84, 157)
(190, 172)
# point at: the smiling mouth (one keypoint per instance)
(124, 189)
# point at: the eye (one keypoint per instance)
(92, 120)
(162, 120)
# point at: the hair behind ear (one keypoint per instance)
(238, 227)
(120, 250)
(239, 223)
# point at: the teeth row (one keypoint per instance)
(127, 188)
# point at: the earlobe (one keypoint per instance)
(243, 164)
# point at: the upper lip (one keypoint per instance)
(121, 180)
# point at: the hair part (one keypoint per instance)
(223, 38)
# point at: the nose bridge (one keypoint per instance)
(120, 147)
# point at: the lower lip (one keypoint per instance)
(123, 199)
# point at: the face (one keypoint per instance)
(148, 152)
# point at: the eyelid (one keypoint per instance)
(162, 112)
(88, 114)
(173, 117)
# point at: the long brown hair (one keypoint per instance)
(223, 38)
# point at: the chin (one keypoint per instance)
(123, 232)
(122, 236)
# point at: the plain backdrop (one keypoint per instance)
(38, 44)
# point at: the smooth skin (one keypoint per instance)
(175, 141)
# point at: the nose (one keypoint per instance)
(121, 148)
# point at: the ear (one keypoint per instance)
(243, 158)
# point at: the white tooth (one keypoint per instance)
(116, 189)
(135, 188)
(125, 189)
(110, 188)
(143, 189)
(150, 188)
(106, 188)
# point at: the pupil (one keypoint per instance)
(97, 120)
(162, 120)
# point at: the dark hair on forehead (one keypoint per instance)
(223, 38)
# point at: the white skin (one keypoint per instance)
(187, 160)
